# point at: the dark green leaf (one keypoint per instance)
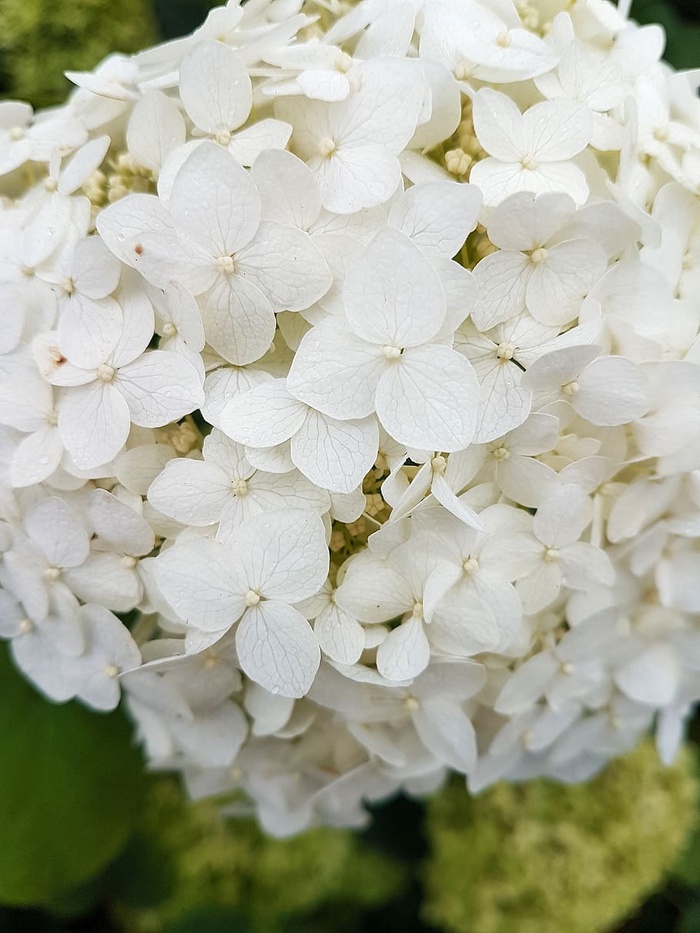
(71, 786)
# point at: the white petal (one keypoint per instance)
(155, 128)
(653, 677)
(372, 591)
(199, 580)
(429, 399)
(340, 636)
(503, 402)
(13, 315)
(93, 421)
(447, 732)
(498, 126)
(558, 285)
(392, 296)
(238, 319)
(437, 216)
(263, 417)
(286, 266)
(554, 131)
(89, 330)
(558, 367)
(266, 136)
(333, 454)
(502, 279)
(478, 614)
(612, 390)
(284, 554)
(336, 372)
(214, 202)
(159, 387)
(562, 519)
(405, 651)
(36, 457)
(584, 566)
(526, 481)
(82, 164)
(55, 527)
(541, 588)
(527, 684)
(215, 87)
(190, 491)
(444, 494)
(277, 649)
(288, 189)
(355, 179)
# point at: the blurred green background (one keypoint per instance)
(89, 844)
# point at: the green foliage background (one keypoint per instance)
(90, 844)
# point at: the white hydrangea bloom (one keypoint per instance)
(350, 397)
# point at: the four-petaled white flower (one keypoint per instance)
(266, 565)
(529, 151)
(384, 358)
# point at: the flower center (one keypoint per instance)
(111, 670)
(239, 487)
(439, 464)
(505, 352)
(470, 565)
(105, 372)
(252, 598)
(567, 668)
(51, 574)
(344, 63)
(538, 255)
(417, 612)
(326, 147)
(503, 39)
(570, 388)
(225, 264)
(392, 353)
(223, 137)
(529, 163)
(128, 562)
(169, 329)
(551, 555)
(26, 626)
(501, 453)
(463, 71)
(16, 133)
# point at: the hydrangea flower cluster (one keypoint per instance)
(350, 397)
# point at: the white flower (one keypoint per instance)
(425, 394)
(225, 253)
(537, 266)
(23, 139)
(608, 390)
(529, 151)
(333, 454)
(265, 566)
(225, 488)
(474, 41)
(98, 405)
(554, 554)
(353, 145)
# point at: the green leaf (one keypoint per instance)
(687, 869)
(142, 876)
(71, 785)
(691, 920)
(211, 920)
